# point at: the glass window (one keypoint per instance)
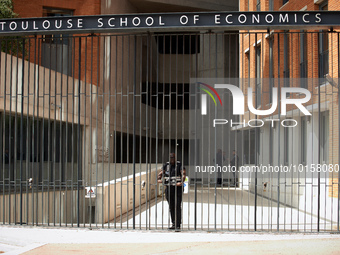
(258, 76)
(303, 137)
(303, 59)
(258, 5)
(249, 149)
(324, 139)
(286, 71)
(56, 49)
(49, 146)
(271, 5)
(286, 146)
(178, 44)
(271, 69)
(323, 49)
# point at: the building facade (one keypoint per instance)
(89, 119)
(305, 59)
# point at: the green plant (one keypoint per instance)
(11, 44)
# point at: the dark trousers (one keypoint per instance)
(175, 204)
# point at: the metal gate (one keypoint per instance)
(88, 121)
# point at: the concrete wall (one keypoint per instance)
(108, 205)
(46, 207)
(104, 172)
(299, 190)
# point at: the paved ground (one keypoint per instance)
(234, 209)
(38, 240)
(233, 212)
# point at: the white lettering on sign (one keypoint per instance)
(237, 19)
(184, 19)
(217, 19)
(13, 25)
(46, 24)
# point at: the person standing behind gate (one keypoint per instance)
(173, 175)
(219, 160)
(234, 165)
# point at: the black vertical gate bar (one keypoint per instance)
(4, 134)
(121, 128)
(10, 129)
(3, 130)
(149, 131)
(202, 59)
(147, 96)
(109, 134)
(223, 43)
(115, 132)
(54, 147)
(37, 169)
(256, 136)
(176, 115)
(182, 121)
(78, 138)
(28, 137)
(134, 136)
(127, 127)
(162, 126)
(271, 135)
(49, 182)
(16, 138)
(229, 135)
(189, 126)
(261, 142)
(84, 135)
(103, 125)
(215, 143)
(90, 150)
(97, 114)
(149, 144)
(305, 182)
(67, 132)
(42, 134)
(73, 130)
(22, 125)
(169, 120)
(313, 94)
(209, 130)
(248, 85)
(140, 131)
(279, 117)
(198, 37)
(236, 175)
(148, 141)
(338, 133)
(320, 37)
(2, 143)
(62, 142)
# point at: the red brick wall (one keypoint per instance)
(34, 8)
(248, 40)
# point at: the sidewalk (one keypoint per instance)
(39, 240)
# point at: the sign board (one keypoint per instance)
(171, 21)
(90, 192)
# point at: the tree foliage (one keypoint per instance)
(10, 44)
(6, 10)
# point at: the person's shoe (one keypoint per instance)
(178, 229)
(172, 227)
